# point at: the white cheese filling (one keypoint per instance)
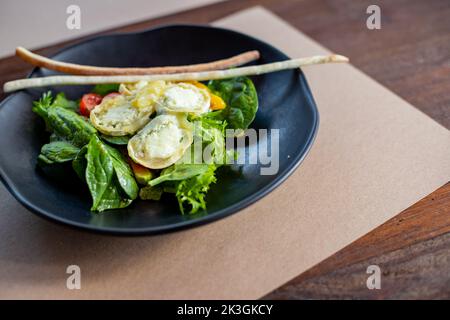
(164, 141)
(120, 113)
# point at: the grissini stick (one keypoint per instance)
(78, 69)
(199, 76)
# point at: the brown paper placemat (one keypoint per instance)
(375, 155)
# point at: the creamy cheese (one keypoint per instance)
(164, 141)
(120, 112)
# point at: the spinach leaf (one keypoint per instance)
(57, 152)
(70, 126)
(120, 141)
(241, 99)
(62, 121)
(109, 178)
(123, 172)
(104, 89)
(179, 172)
(79, 164)
(61, 101)
(110, 198)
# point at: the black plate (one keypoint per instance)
(285, 103)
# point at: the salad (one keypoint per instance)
(142, 140)
(146, 132)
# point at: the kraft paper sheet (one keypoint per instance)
(374, 156)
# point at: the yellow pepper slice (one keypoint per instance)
(217, 102)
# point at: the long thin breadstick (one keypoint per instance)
(79, 69)
(200, 76)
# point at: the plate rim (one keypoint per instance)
(202, 220)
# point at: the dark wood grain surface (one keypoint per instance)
(410, 55)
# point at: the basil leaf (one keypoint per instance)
(241, 99)
(109, 177)
(58, 152)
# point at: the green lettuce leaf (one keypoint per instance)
(212, 134)
(191, 192)
(179, 172)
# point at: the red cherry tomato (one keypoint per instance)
(111, 95)
(88, 102)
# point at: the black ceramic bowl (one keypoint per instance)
(285, 103)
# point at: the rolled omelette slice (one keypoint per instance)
(125, 114)
(162, 142)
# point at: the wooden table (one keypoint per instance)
(411, 56)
